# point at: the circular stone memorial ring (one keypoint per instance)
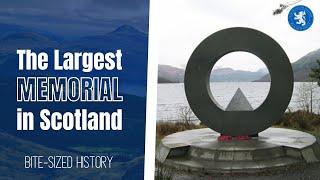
(197, 85)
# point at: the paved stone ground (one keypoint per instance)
(310, 172)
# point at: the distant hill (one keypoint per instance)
(229, 75)
(30, 40)
(302, 67)
(9, 29)
(170, 74)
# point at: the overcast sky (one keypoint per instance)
(182, 25)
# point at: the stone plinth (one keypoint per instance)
(200, 151)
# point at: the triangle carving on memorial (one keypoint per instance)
(239, 102)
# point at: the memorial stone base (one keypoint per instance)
(199, 151)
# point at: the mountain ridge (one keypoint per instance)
(301, 68)
(171, 74)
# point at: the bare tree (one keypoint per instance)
(284, 6)
(315, 73)
(306, 96)
(185, 115)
